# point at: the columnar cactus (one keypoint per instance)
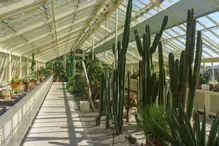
(182, 73)
(119, 72)
(150, 84)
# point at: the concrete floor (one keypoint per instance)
(57, 123)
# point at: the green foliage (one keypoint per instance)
(26, 79)
(204, 77)
(20, 92)
(184, 133)
(16, 80)
(153, 120)
(75, 89)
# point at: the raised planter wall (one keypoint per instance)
(16, 121)
(203, 97)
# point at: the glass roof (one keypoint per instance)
(52, 28)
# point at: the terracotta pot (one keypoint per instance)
(153, 142)
(27, 88)
(17, 86)
(34, 82)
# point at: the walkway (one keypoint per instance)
(57, 123)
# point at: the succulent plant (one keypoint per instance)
(6, 94)
(26, 80)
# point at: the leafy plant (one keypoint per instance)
(184, 133)
(20, 92)
(16, 80)
(26, 80)
(204, 77)
(153, 120)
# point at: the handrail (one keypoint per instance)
(16, 121)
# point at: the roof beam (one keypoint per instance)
(18, 6)
(201, 7)
(109, 6)
(47, 43)
(58, 17)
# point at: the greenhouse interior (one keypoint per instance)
(109, 72)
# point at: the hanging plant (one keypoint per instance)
(33, 62)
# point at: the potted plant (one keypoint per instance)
(34, 78)
(204, 80)
(26, 81)
(5, 94)
(152, 120)
(16, 84)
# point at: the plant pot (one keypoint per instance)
(34, 82)
(27, 88)
(153, 142)
(17, 86)
(205, 87)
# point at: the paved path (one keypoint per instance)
(57, 123)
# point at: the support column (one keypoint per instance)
(36, 65)
(83, 55)
(9, 68)
(212, 65)
(64, 63)
(204, 66)
(20, 67)
(27, 67)
(93, 48)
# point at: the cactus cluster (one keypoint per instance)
(183, 74)
(148, 79)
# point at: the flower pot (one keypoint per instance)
(153, 142)
(34, 82)
(205, 87)
(27, 88)
(17, 86)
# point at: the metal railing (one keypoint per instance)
(16, 121)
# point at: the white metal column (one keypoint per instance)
(20, 67)
(27, 68)
(9, 68)
(83, 55)
(212, 65)
(64, 63)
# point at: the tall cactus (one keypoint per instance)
(105, 107)
(150, 84)
(119, 72)
(182, 73)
